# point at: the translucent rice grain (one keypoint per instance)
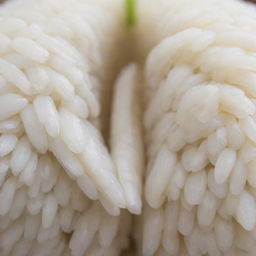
(7, 144)
(127, 151)
(14, 75)
(20, 62)
(34, 205)
(47, 114)
(192, 243)
(7, 195)
(216, 142)
(100, 168)
(234, 101)
(12, 235)
(78, 201)
(219, 190)
(230, 204)
(186, 221)
(69, 162)
(66, 68)
(77, 106)
(34, 129)
(5, 87)
(246, 211)
(159, 177)
(28, 172)
(85, 228)
(195, 187)
(171, 45)
(62, 190)
(93, 104)
(35, 187)
(19, 204)
(48, 174)
(235, 135)
(152, 230)
(72, 131)
(87, 186)
(30, 49)
(66, 217)
(48, 234)
(12, 125)
(109, 206)
(31, 227)
(11, 104)
(249, 127)
(248, 152)
(38, 77)
(61, 84)
(170, 240)
(173, 191)
(179, 176)
(224, 234)
(195, 159)
(207, 209)
(49, 211)
(108, 230)
(238, 178)
(11, 25)
(20, 156)
(224, 165)
(199, 113)
(5, 43)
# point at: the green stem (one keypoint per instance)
(130, 12)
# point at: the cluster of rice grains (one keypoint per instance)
(200, 88)
(62, 191)
(56, 174)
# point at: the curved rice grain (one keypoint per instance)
(11, 104)
(34, 129)
(72, 131)
(7, 195)
(152, 230)
(49, 211)
(224, 165)
(245, 212)
(38, 77)
(159, 177)
(20, 156)
(127, 151)
(47, 114)
(30, 49)
(14, 76)
(7, 144)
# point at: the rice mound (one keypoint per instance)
(71, 155)
(200, 127)
(59, 189)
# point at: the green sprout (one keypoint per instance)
(130, 12)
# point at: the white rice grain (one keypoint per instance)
(30, 49)
(7, 144)
(47, 114)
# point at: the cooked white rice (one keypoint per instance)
(58, 184)
(200, 127)
(63, 190)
